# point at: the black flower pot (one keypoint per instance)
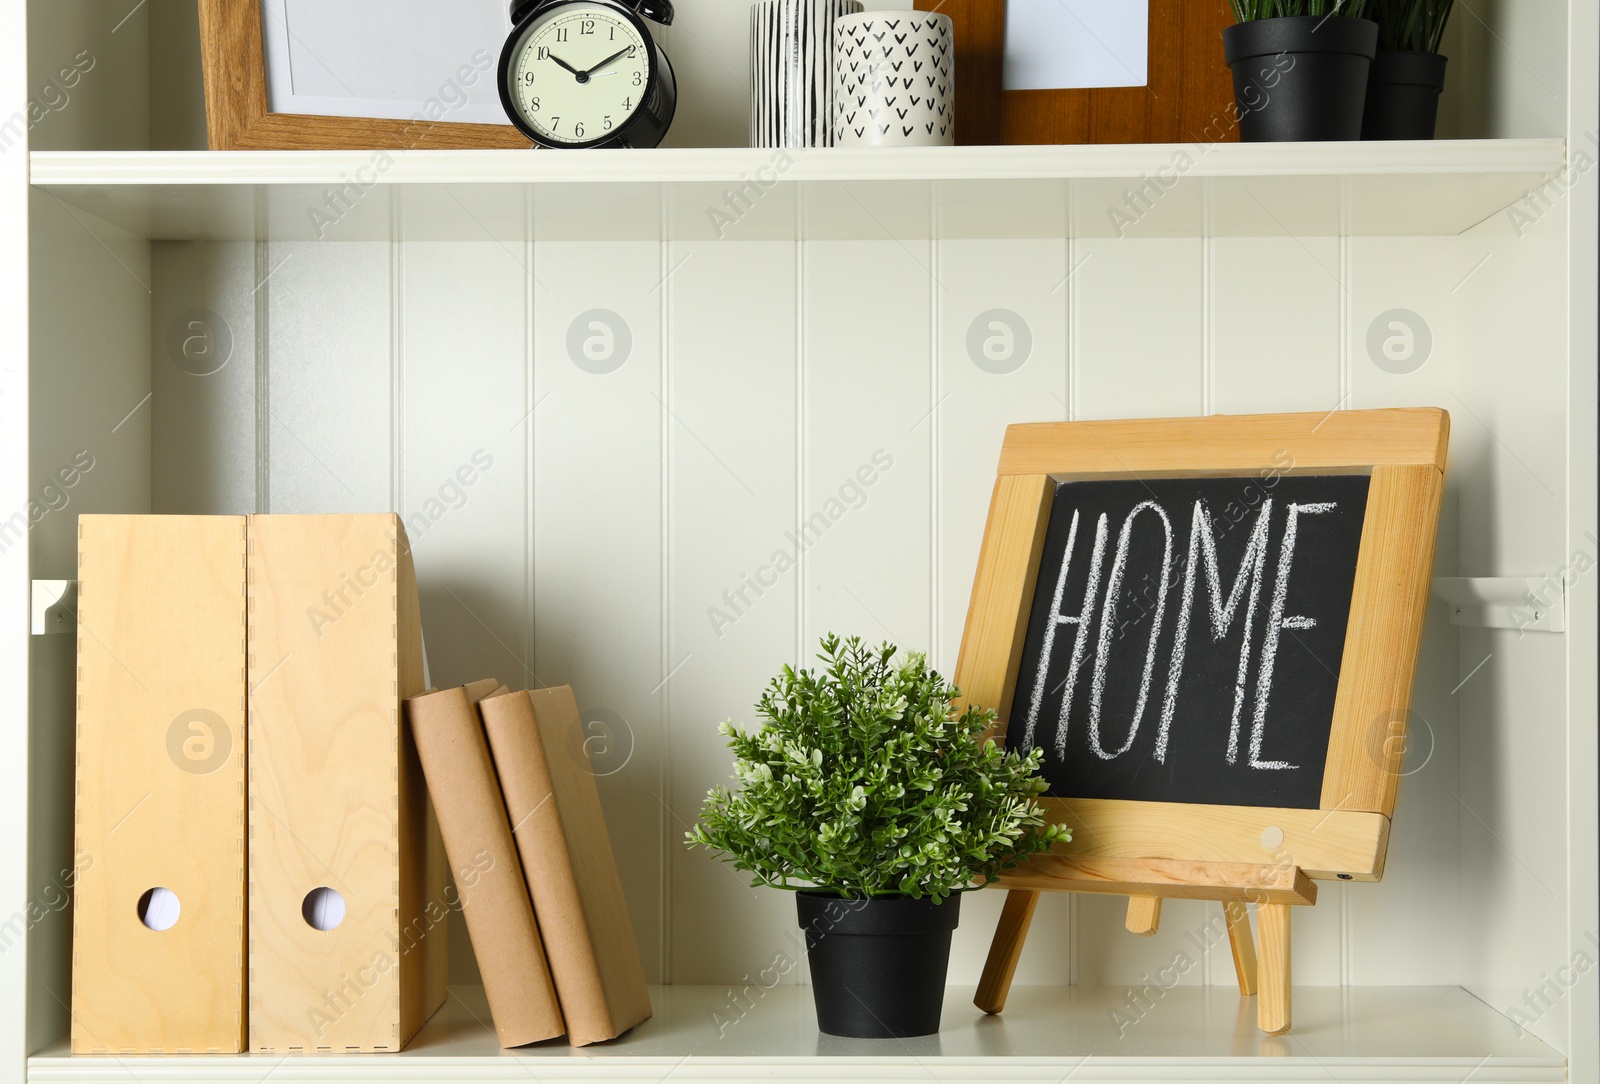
(878, 966)
(1403, 95)
(1302, 77)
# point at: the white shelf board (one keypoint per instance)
(1403, 188)
(1046, 1034)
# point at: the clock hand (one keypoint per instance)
(613, 57)
(569, 67)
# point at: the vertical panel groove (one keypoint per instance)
(263, 380)
(664, 763)
(530, 391)
(1207, 364)
(803, 573)
(935, 361)
(397, 377)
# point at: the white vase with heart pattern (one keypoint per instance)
(894, 80)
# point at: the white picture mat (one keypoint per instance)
(1070, 44)
(386, 59)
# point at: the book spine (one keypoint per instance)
(493, 896)
(519, 759)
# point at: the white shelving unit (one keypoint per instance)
(1048, 1035)
(787, 315)
(1230, 190)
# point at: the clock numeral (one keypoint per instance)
(533, 104)
(613, 33)
(544, 52)
(608, 122)
(577, 129)
(561, 34)
(587, 28)
(555, 122)
(527, 78)
(627, 103)
(638, 79)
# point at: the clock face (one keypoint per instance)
(579, 72)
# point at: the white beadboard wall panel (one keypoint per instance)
(1137, 328)
(981, 284)
(1106, 954)
(598, 540)
(203, 376)
(1274, 323)
(867, 467)
(329, 413)
(732, 452)
(458, 468)
(1404, 342)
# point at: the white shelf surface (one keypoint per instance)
(1046, 1034)
(1149, 190)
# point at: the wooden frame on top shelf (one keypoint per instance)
(1189, 97)
(238, 116)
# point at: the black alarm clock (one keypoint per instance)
(587, 73)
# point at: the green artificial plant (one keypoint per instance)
(1415, 26)
(1247, 11)
(865, 780)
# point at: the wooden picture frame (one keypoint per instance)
(238, 116)
(1189, 98)
(1151, 850)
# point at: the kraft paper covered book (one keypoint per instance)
(483, 858)
(537, 742)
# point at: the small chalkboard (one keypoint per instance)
(1186, 637)
(1210, 626)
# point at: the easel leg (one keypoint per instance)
(1244, 945)
(1144, 915)
(1005, 950)
(1272, 1004)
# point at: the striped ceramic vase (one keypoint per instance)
(791, 71)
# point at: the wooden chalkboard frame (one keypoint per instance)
(1152, 850)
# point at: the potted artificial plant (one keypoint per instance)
(1300, 68)
(1408, 74)
(877, 799)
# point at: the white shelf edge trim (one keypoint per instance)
(832, 1069)
(689, 165)
(1525, 605)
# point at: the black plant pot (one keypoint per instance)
(1403, 95)
(1302, 77)
(878, 966)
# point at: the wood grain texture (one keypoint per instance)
(1389, 601)
(333, 650)
(980, 33)
(1144, 915)
(237, 115)
(1165, 877)
(1326, 844)
(1220, 443)
(1005, 950)
(1243, 944)
(1189, 98)
(1275, 973)
(160, 784)
(997, 619)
